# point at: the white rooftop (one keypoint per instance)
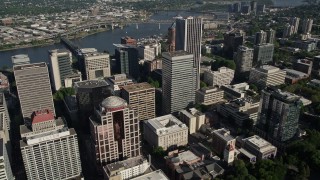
(224, 134)
(155, 175)
(185, 156)
(165, 124)
(259, 143)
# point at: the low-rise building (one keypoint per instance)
(186, 166)
(303, 65)
(259, 147)
(314, 83)
(126, 169)
(152, 65)
(166, 132)
(308, 45)
(192, 118)
(235, 91)
(71, 79)
(293, 76)
(221, 77)
(209, 95)
(240, 110)
(221, 138)
(267, 75)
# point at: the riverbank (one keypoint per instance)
(53, 41)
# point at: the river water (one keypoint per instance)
(105, 40)
(102, 41)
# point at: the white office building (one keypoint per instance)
(127, 169)
(49, 149)
(165, 131)
(221, 77)
(60, 67)
(192, 118)
(209, 95)
(96, 64)
(267, 75)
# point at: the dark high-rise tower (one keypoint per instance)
(279, 113)
(188, 38)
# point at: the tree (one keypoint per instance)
(253, 87)
(62, 92)
(158, 151)
(202, 84)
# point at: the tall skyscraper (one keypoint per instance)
(279, 113)
(307, 26)
(141, 98)
(178, 81)
(271, 35)
(188, 38)
(34, 88)
(260, 38)
(60, 67)
(172, 37)
(49, 149)
(115, 131)
(243, 59)
(294, 21)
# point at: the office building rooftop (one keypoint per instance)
(155, 175)
(186, 156)
(165, 124)
(295, 73)
(224, 134)
(259, 144)
(90, 84)
(42, 116)
(126, 164)
(28, 66)
(304, 61)
(88, 50)
(283, 95)
(137, 87)
(176, 53)
(268, 69)
(210, 89)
